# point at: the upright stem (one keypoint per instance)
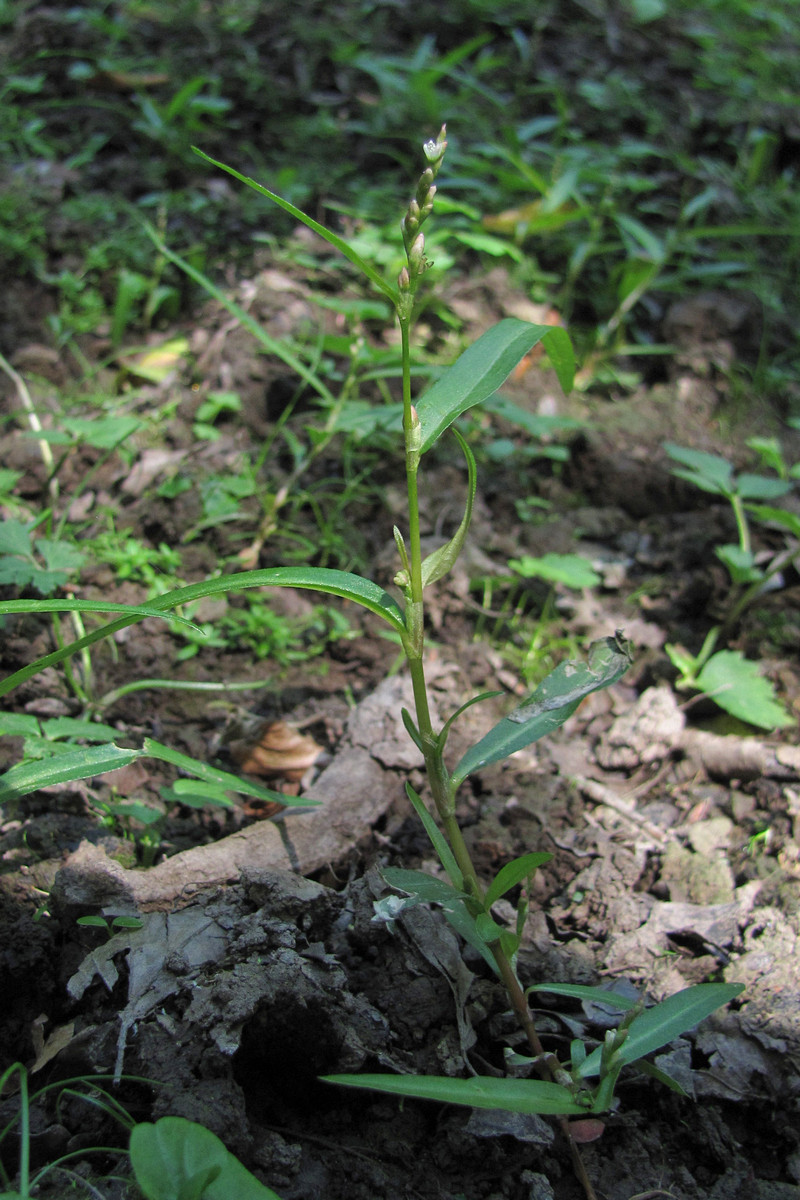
(547, 1065)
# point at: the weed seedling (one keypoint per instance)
(109, 928)
(727, 677)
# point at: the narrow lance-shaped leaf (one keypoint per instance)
(510, 1095)
(7, 607)
(558, 345)
(85, 762)
(320, 579)
(332, 238)
(438, 840)
(514, 872)
(580, 991)
(479, 372)
(271, 345)
(660, 1025)
(223, 779)
(553, 702)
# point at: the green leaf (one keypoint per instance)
(25, 725)
(440, 562)
(82, 763)
(85, 762)
(196, 793)
(320, 579)
(104, 433)
(736, 684)
(660, 1025)
(478, 373)
(580, 991)
(94, 921)
(648, 1068)
(776, 516)
(420, 884)
(221, 779)
(15, 538)
(316, 579)
(760, 487)
(740, 563)
(707, 471)
(510, 1095)
(573, 570)
(174, 1158)
(487, 928)
(513, 873)
(453, 904)
(538, 425)
(558, 345)
(332, 238)
(438, 840)
(135, 610)
(553, 702)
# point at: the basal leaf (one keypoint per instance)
(553, 702)
(510, 1095)
(478, 373)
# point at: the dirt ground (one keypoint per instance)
(260, 965)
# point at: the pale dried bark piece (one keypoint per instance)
(654, 727)
(740, 758)
(355, 791)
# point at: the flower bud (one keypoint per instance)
(416, 255)
(404, 280)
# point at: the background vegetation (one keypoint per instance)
(615, 155)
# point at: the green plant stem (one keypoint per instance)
(547, 1065)
(741, 523)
